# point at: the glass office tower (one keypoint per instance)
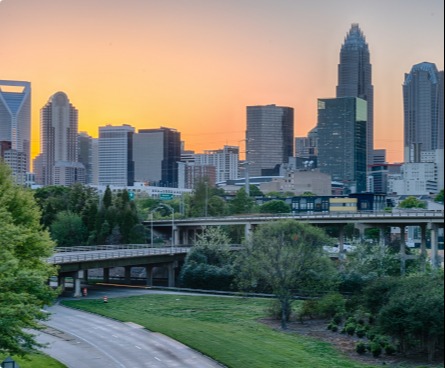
(342, 141)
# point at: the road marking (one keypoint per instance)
(114, 336)
(157, 359)
(138, 347)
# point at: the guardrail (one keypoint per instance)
(110, 254)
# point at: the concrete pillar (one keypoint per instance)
(434, 248)
(85, 276)
(149, 273)
(127, 275)
(106, 275)
(402, 250)
(247, 231)
(423, 253)
(171, 274)
(77, 291)
(176, 235)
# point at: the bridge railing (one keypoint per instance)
(89, 248)
(110, 254)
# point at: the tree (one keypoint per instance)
(208, 265)
(241, 203)
(284, 255)
(412, 202)
(439, 197)
(24, 272)
(414, 312)
(68, 230)
(275, 206)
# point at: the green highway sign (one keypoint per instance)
(166, 196)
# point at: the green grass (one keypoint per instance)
(36, 361)
(225, 329)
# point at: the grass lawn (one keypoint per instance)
(36, 361)
(225, 329)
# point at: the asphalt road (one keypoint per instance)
(84, 340)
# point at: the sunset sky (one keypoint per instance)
(194, 65)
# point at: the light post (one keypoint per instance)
(173, 223)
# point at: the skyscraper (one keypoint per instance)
(115, 152)
(342, 141)
(423, 95)
(58, 162)
(269, 138)
(355, 78)
(156, 156)
(15, 126)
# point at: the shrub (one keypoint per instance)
(309, 308)
(360, 348)
(274, 310)
(389, 349)
(331, 305)
(376, 349)
(337, 319)
(350, 328)
(360, 331)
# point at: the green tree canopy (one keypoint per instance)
(412, 202)
(24, 272)
(275, 206)
(285, 256)
(439, 197)
(68, 230)
(208, 265)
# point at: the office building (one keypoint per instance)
(355, 78)
(58, 163)
(269, 138)
(423, 98)
(156, 155)
(85, 155)
(15, 127)
(115, 155)
(342, 141)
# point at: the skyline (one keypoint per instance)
(194, 66)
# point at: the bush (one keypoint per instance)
(333, 326)
(274, 310)
(360, 331)
(331, 305)
(309, 308)
(337, 319)
(360, 348)
(389, 349)
(376, 349)
(350, 328)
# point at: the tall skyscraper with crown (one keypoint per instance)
(15, 126)
(355, 78)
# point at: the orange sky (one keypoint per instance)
(194, 65)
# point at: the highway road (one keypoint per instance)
(84, 340)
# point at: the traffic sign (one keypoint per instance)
(166, 196)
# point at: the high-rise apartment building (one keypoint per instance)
(115, 155)
(269, 138)
(423, 100)
(15, 126)
(58, 162)
(355, 78)
(225, 161)
(342, 141)
(156, 155)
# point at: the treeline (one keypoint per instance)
(77, 215)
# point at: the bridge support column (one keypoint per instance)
(341, 247)
(76, 278)
(247, 231)
(106, 275)
(402, 250)
(176, 235)
(434, 248)
(149, 273)
(423, 253)
(127, 275)
(171, 274)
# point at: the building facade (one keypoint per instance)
(58, 163)
(15, 127)
(355, 78)
(269, 138)
(423, 100)
(115, 155)
(342, 141)
(156, 156)
(225, 161)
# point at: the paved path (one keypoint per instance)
(84, 340)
